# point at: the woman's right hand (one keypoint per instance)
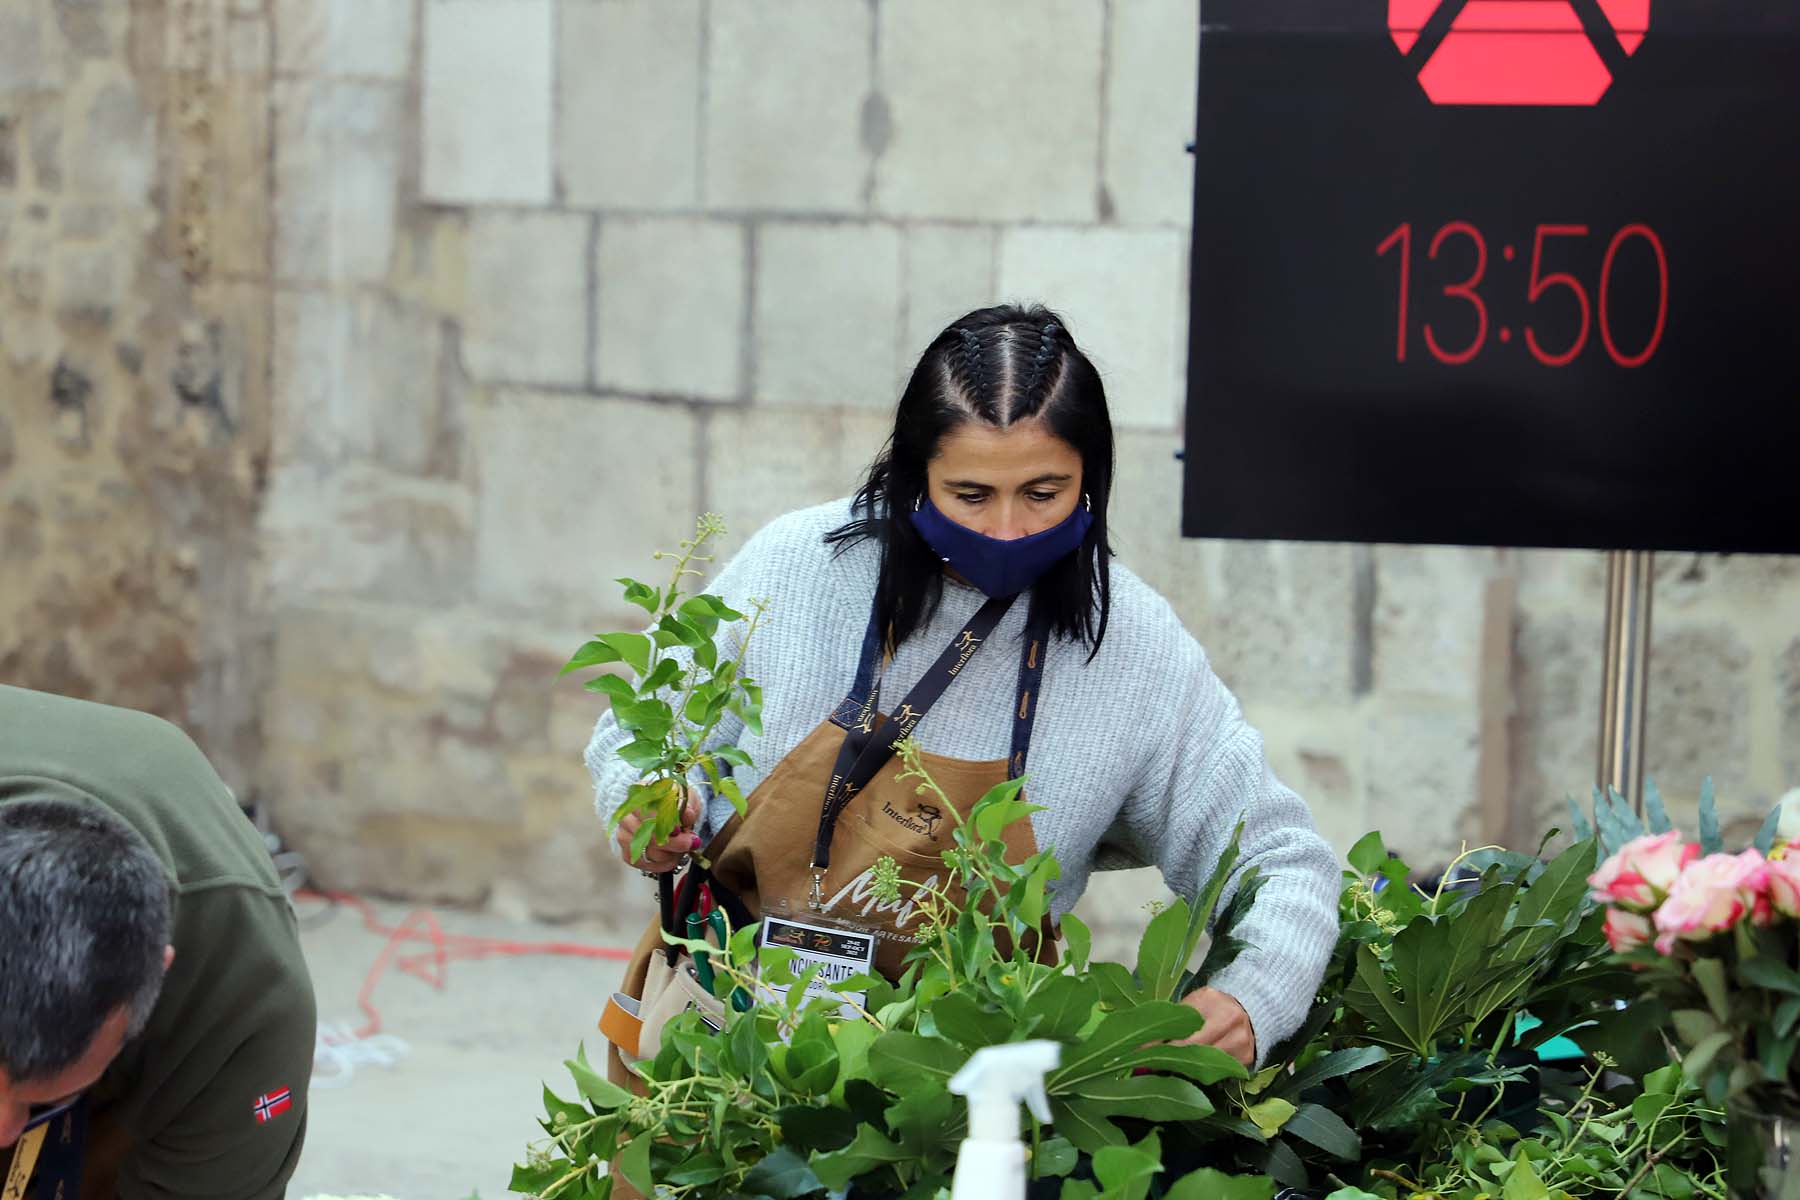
(662, 857)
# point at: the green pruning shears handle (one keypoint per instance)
(697, 925)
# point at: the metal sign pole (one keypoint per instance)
(1625, 681)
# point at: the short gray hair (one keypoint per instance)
(85, 912)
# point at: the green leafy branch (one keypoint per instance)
(681, 688)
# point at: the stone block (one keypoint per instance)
(27, 62)
(114, 147)
(1556, 690)
(1787, 676)
(797, 140)
(249, 46)
(1423, 782)
(994, 113)
(1144, 521)
(628, 94)
(1124, 293)
(1319, 755)
(85, 287)
(357, 531)
(487, 101)
(1279, 622)
(1148, 174)
(670, 311)
(241, 217)
(575, 493)
(44, 136)
(1698, 715)
(338, 153)
(362, 377)
(86, 26)
(763, 462)
(1429, 603)
(949, 271)
(827, 315)
(368, 38)
(9, 151)
(527, 301)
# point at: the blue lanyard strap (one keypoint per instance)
(863, 752)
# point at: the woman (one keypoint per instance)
(995, 485)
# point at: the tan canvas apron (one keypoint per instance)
(763, 856)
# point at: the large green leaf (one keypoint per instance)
(1203, 1064)
(1433, 959)
(1334, 1065)
(1125, 1172)
(1326, 1130)
(1370, 996)
(1062, 1006)
(1161, 953)
(782, 1175)
(1088, 1128)
(870, 1149)
(898, 1061)
(1209, 1184)
(1118, 986)
(634, 1163)
(1152, 1098)
(1055, 1158)
(1118, 1035)
(964, 1021)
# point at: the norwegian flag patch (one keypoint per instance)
(272, 1105)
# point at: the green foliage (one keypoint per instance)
(790, 1099)
(682, 686)
(1413, 1075)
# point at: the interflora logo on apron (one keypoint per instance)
(1516, 52)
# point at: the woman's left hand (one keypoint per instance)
(1227, 1024)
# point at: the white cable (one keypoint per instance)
(338, 1052)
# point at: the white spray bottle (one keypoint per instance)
(990, 1164)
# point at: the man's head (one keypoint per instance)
(85, 915)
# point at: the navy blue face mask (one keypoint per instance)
(996, 566)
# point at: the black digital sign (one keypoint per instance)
(1497, 272)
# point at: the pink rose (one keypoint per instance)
(1626, 930)
(1642, 872)
(1783, 876)
(1709, 897)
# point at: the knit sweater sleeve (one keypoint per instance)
(1206, 773)
(741, 579)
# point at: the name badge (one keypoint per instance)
(840, 954)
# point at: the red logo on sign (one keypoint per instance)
(1516, 51)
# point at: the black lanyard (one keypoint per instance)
(864, 752)
(59, 1162)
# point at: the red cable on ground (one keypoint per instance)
(432, 965)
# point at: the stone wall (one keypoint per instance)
(544, 278)
(134, 406)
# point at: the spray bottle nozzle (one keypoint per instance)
(997, 1078)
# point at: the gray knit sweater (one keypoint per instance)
(1141, 756)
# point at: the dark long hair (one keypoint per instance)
(1000, 366)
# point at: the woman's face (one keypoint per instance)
(1005, 483)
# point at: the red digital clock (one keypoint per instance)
(1538, 285)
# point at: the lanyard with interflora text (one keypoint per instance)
(864, 751)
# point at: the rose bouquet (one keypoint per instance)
(1715, 938)
(1715, 935)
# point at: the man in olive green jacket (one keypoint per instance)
(156, 1016)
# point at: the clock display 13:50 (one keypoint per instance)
(1540, 285)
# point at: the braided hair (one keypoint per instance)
(998, 367)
